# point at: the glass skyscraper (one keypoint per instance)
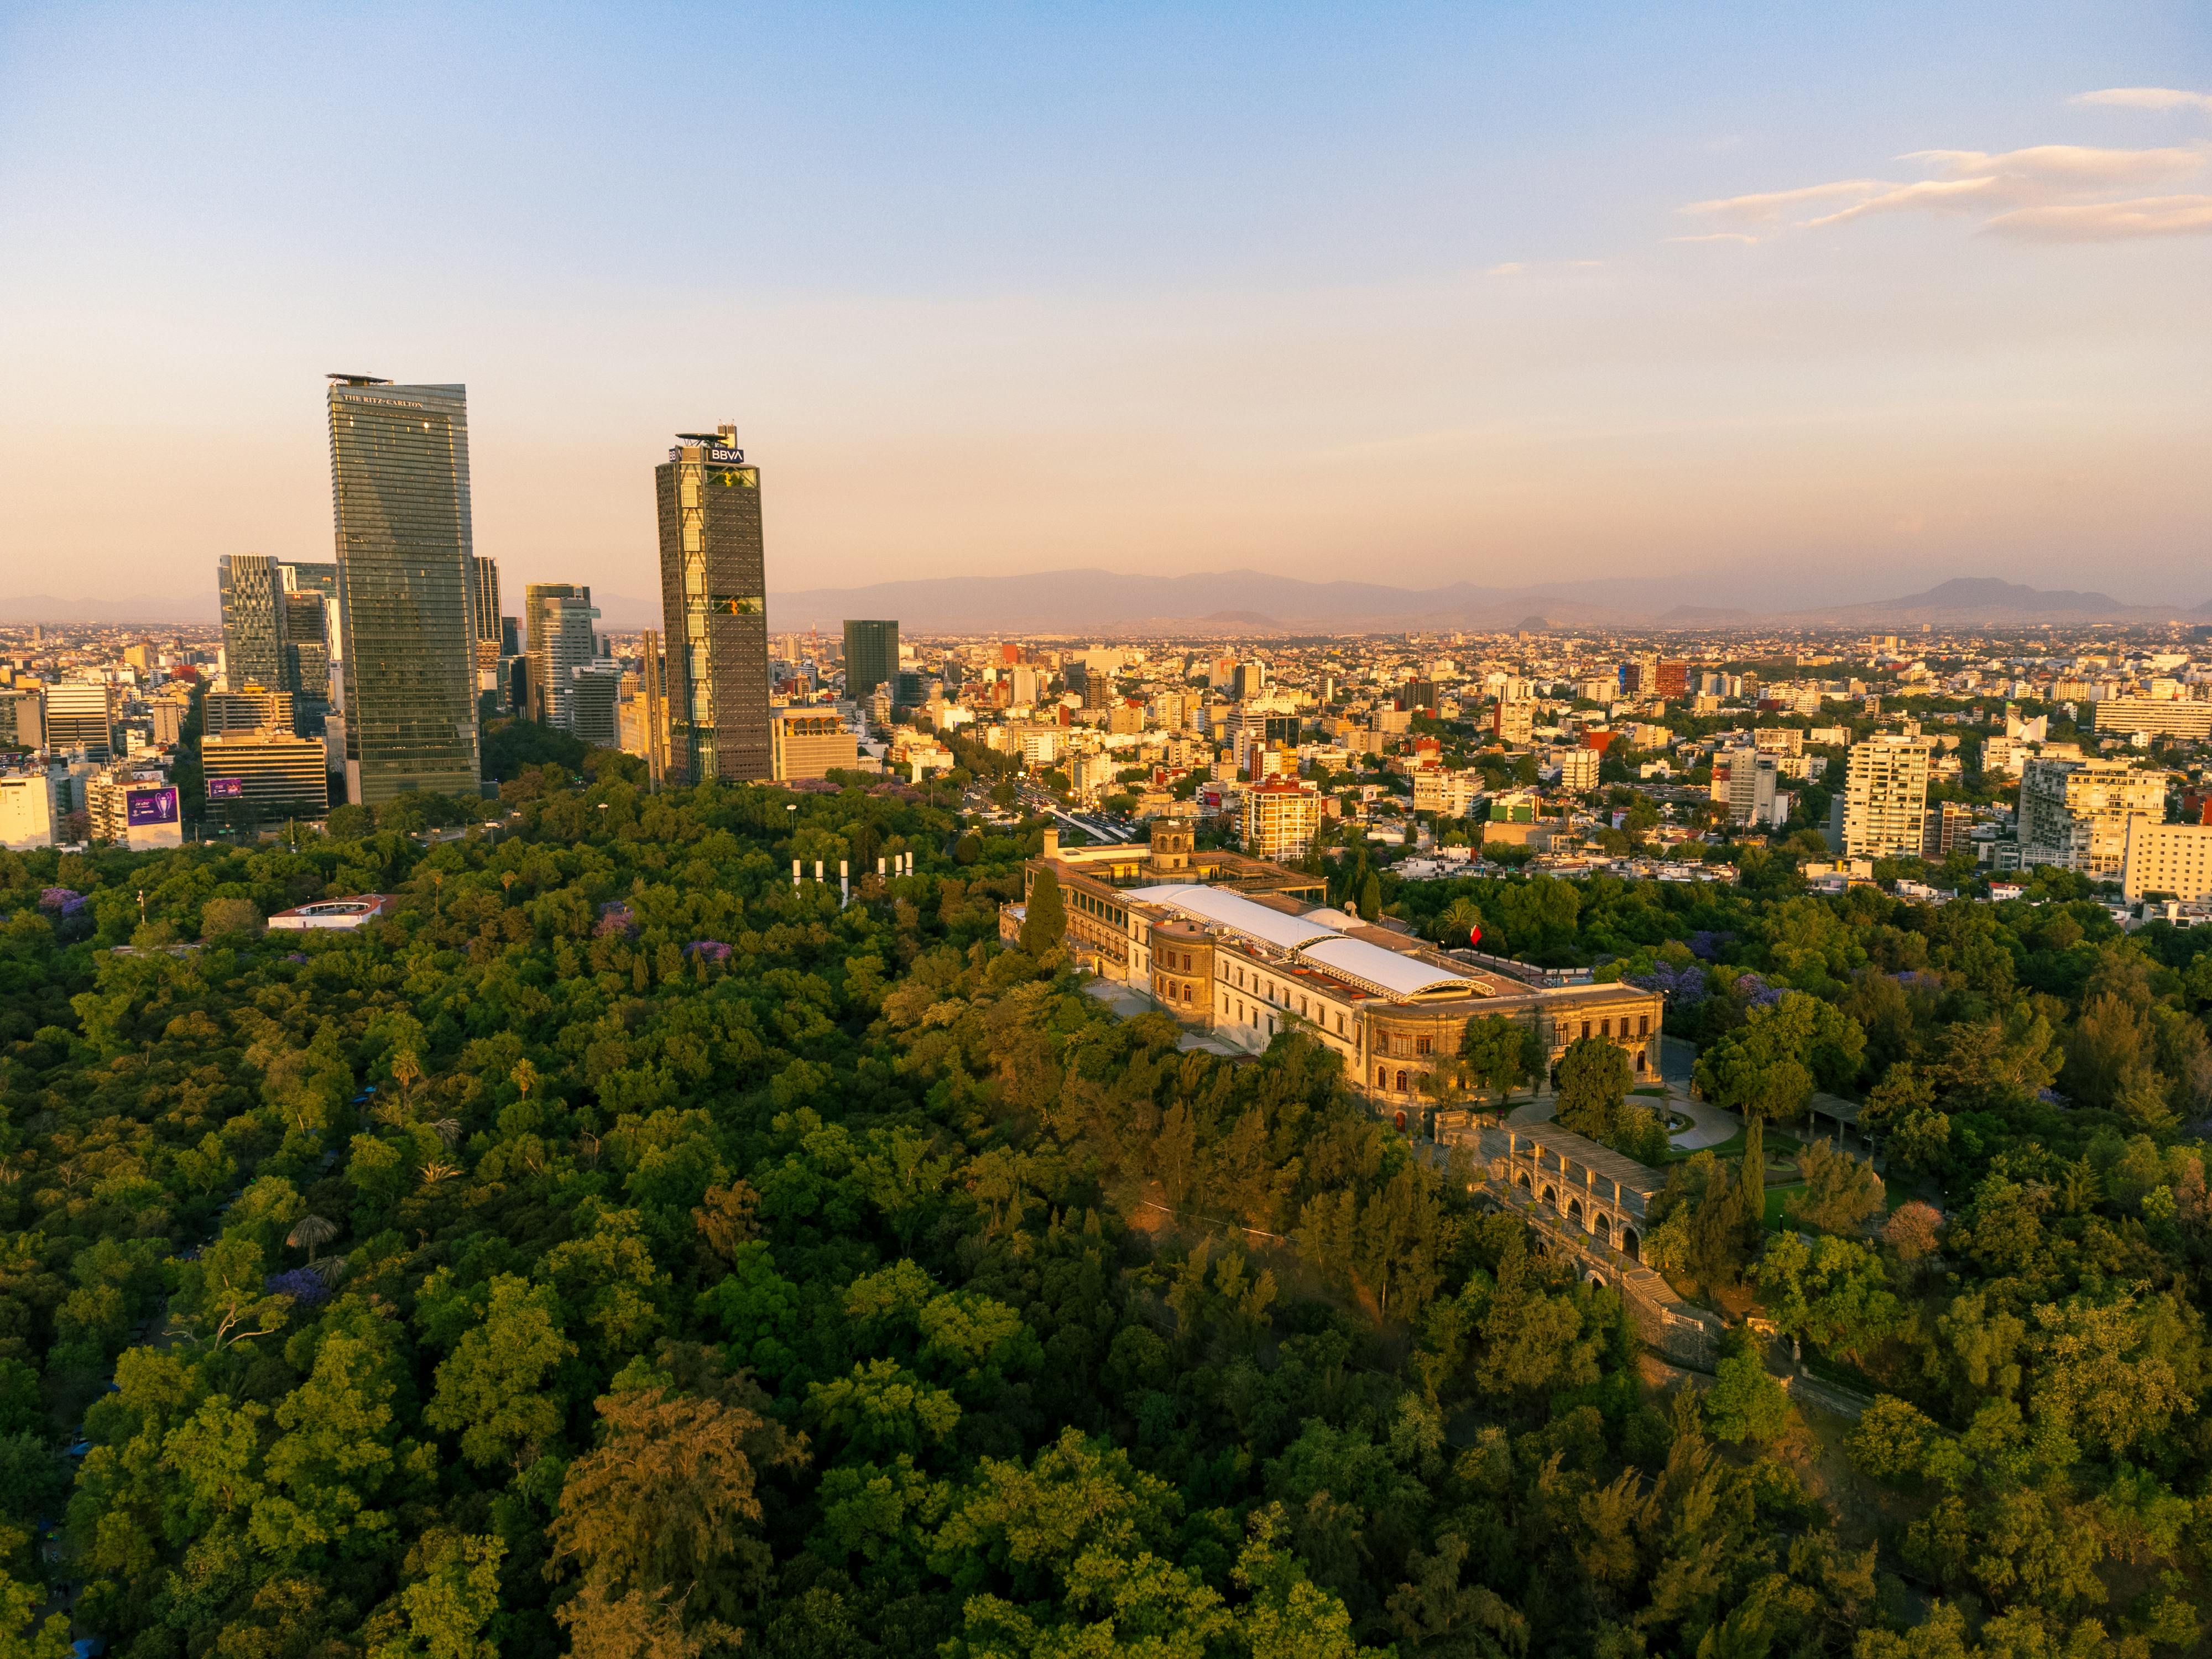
(559, 616)
(714, 599)
(871, 659)
(399, 487)
(484, 615)
(252, 594)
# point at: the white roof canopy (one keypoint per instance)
(1387, 973)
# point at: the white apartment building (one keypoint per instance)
(2157, 716)
(27, 812)
(1452, 794)
(2167, 858)
(1882, 810)
(1579, 769)
(2074, 814)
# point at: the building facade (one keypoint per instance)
(1882, 811)
(871, 658)
(2075, 813)
(399, 485)
(252, 592)
(2174, 858)
(255, 709)
(714, 601)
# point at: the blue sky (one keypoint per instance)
(1403, 290)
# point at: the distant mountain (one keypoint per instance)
(1091, 601)
(29, 608)
(1705, 616)
(1968, 600)
(1087, 601)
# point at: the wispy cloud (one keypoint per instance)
(2076, 166)
(2106, 221)
(1743, 236)
(2147, 98)
(1773, 204)
(2044, 192)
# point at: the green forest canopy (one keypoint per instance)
(621, 1250)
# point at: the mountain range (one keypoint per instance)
(1250, 601)
(1091, 601)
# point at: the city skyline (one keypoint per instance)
(1459, 296)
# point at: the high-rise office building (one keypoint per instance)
(324, 643)
(253, 595)
(485, 619)
(871, 658)
(594, 691)
(256, 777)
(399, 483)
(559, 616)
(80, 715)
(308, 656)
(714, 599)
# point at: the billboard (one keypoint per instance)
(149, 806)
(226, 788)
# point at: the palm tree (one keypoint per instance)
(310, 1230)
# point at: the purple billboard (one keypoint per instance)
(148, 807)
(226, 788)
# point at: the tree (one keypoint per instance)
(1752, 1173)
(19, 1607)
(1500, 1052)
(1591, 1080)
(223, 916)
(664, 1512)
(1901, 1110)
(1840, 1191)
(1370, 897)
(1769, 1065)
(450, 1608)
(1744, 1402)
(488, 1390)
(1911, 1231)
(1046, 924)
(1833, 1292)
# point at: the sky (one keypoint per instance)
(1836, 303)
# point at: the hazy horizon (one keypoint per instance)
(1504, 298)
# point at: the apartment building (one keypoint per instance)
(1579, 769)
(1882, 810)
(1446, 792)
(1281, 818)
(2174, 859)
(2074, 812)
(2165, 717)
